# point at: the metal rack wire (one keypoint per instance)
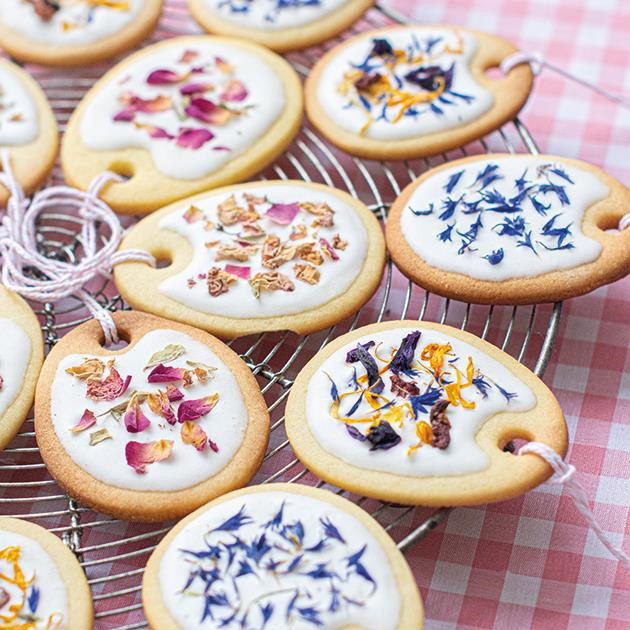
(113, 553)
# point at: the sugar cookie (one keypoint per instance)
(182, 116)
(42, 586)
(74, 32)
(28, 128)
(419, 413)
(280, 556)
(261, 256)
(409, 91)
(154, 430)
(511, 229)
(277, 24)
(21, 357)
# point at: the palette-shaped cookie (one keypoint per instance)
(421, 413)
(278, 24)
(28, 129)
(255, 257)
(405, 92)
(511, 229)
(182, 116)
(42, 586)
(74, 32)
(280, 556)
(151, 431)
(21, 357)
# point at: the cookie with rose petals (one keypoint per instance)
(42, 586)
(21, 357)
(511, 229)
(74, 32)
(421, 413)
(254, 257)
(28, 129)
(180, 117)
(153, 430)
(280, 556)
(405, 92)
(279, 24)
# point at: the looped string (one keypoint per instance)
(565, 474)
(19, 251)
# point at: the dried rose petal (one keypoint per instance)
(403, 388)
(160, 405)
(164, 76)
(189, 138)
(193, 214)
(134, 418)
(271, 281)
(219, 281)
(322, 211)
(154, 132)
(192, 433)
(159, 103)
(110, 388)
(195, 88)
(235, 252)
(327, 249)
(234, 91)
(240, 272)
(194, 409)
(206, 111)
(164, 374)
(188, 55)
(310, 253)
(173, 393)
(140, 454)
(125, 115)
(306, 273)
(229, 211)
(223, 65)
(338, 242)
(87, 420)
(90, 368)
(283, 213)
(298, 232)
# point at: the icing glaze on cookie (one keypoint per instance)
(503, 218)
(15, 354)
(273, 14)
(404, 83)
(30, 586)
(193, 109)
(19, 121)
(276, 560)
(395, 422)
(309, 242)
(74, 23)
(167, 427)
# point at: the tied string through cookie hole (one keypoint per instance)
(44, 278)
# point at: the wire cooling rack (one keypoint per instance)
(113, 553)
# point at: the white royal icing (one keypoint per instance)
(36, 564)
(76, 23)
(463, 455)
(19, 119)
(263, 105)
(273, 14)
(465, 101)
(422, 231)
(380, 603)
(239, 301)
(15, 354)
(186, 466)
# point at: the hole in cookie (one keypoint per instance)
(494, 73)
(124, 169)
(513, 445)
(608, 223)
(123, 342)
(162, 262)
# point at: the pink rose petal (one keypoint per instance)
(192, 433)
(206, 111)
(189, 138)
(140, 454)
(327, 247)
(194, 409)
(135, 420)
(173, 393)
(163, 76)
(165, 374)
(125, 115)
(237, 270)
(234, 91)
(195, 88)
(283, 213)
(88, 419)
(110, 388)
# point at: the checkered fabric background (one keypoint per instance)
(530, 562)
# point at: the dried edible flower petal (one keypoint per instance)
(192, 433)
(140, 454)
(323, 212)
(87, 420)
(283, 213)
(194, 409)
(403, 388)
(160, 405)
(190, 138)
(241, 253)
(271, 281)
(440, 424)
(163, 76)
(206, 111)
(159, 103)
(90, 368)
(404, 355)
(170, 352)
(188, 55)
(154, 132)
(382, 436)
(283, 254)
(195, 88)
(361, 353)
(328, 250)
(173, 393)
(163, 374)
(424, 434)
(306, 273)
(338, 242)
(229, 211)
(110, 388)
(309, 253)
(234, 90)
(193, 214)
(135, 420)
(298, 232)
(219, 281)
(240, 272)
(96, 437)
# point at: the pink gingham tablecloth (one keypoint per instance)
(532, 562)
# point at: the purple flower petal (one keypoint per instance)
(240, 272)
(283, 213)
(189, 138)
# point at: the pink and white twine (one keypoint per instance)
(19, 251)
